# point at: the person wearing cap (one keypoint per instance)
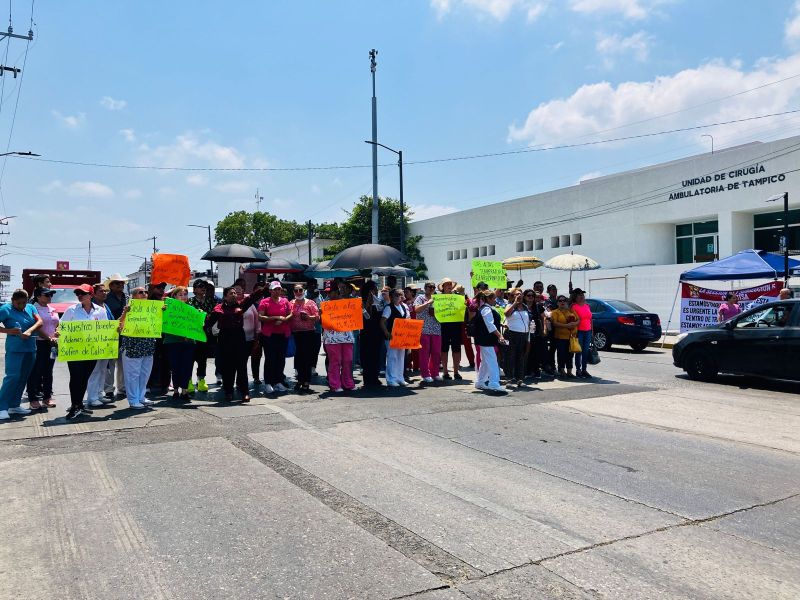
(116, 301)
(203, 299)
(451, 336)
(20, 324)
(81, 370)
(40, 382)
(275, 314)
(581, 308)
(137, 358)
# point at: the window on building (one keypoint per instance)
(528, 245)
(464, 253)
(696, 242)
(565, 241)
(475, 253)
(768, 230)
(483, 250)
(520, 246)
(554, 241)
(539, 244)
(449, 255)
(491, 250)
(577, 239)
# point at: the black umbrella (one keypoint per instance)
(235, 253)
(276, 265)
(394, 272)
(367, 256)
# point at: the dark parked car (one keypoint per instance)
(763, 341)
(623, 322)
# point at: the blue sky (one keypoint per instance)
(287, 84)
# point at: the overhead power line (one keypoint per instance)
(416, 162)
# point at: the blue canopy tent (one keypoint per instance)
(747, 264)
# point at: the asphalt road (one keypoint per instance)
(638, 484)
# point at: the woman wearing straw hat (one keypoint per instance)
(451, 336)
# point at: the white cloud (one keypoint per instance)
(597, 107)
(638, 44)
(166, 191)
(79, 189)
(197, 180)
(791, 30)
(188, 149)
(128, 134)
(69, 121)
(428, 211)
(497, 9)
(109, 103)
(133, 194)
(557, 46)
(630, 9)
(234, 187)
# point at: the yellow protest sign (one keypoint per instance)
(342, 315)
(406, 333)
(490, 272)
(87, 340)
(448, 308)
(143, 320)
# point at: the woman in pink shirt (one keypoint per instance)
(306, 339)
(729, 308)
(275, 314)
(584, 313)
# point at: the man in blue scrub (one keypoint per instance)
(20, 322)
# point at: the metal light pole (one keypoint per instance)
(402, 203)
(785, 196)
(208, 227)
(373, 55)
(144, 258)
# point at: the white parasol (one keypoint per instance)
(572, 262)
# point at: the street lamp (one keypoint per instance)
(708, 135)
(19, 154)
(785, 236)
(144, 258)
(402, 205)
(208, 227)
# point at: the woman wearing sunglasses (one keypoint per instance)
(565, 323)
(81, 370)
(306, 338)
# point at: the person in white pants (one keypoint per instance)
(137, 360)
(97, 380)
(395, 357)
(487, 334)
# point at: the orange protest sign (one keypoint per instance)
(171, 268)
(342, 315)
(406, 334)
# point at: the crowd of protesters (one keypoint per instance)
(517, 334)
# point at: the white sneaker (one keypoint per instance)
(338, 390)
(427, 379)
(402, 383)
(498, 388)
(18, 410)
(91, 403)
(137, 406)
(147, 402)
(392, 384)
(279, 387)
(268, 389)
(4, 415)
(438, 378)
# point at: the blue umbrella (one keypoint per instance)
(321, 270)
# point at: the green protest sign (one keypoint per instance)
(143, 319)
(87, 340)
(448, 308)
(183, 320)
(501, 312)
(490, 272)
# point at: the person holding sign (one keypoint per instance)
(81, 370)
(431, 340)
(233, 348)
(339, 350)
(20, 323)
(395, 357)
(451, 336)
(487, 335)
(275, 314)
(180, 353)
(137, 358)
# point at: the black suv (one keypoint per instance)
(763, 341)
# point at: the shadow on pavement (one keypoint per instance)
(749, 382)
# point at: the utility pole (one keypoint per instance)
(208, 227)
(373, 56)
(784, 239)
(309, 241)
(155, 250)
(399, 153)
(259, 200)
(89, 265)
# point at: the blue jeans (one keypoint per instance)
(582, 358)
(18, 368)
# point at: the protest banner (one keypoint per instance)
(87, 340)
(501, 312)
(699, 305)
(490, 272)
(183, 320)
(143, 320)
(448, 308)
(342, 315)
(406, 334)
(171, 268)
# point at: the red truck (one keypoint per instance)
(63, 280)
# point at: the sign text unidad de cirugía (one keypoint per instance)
(720, 182)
